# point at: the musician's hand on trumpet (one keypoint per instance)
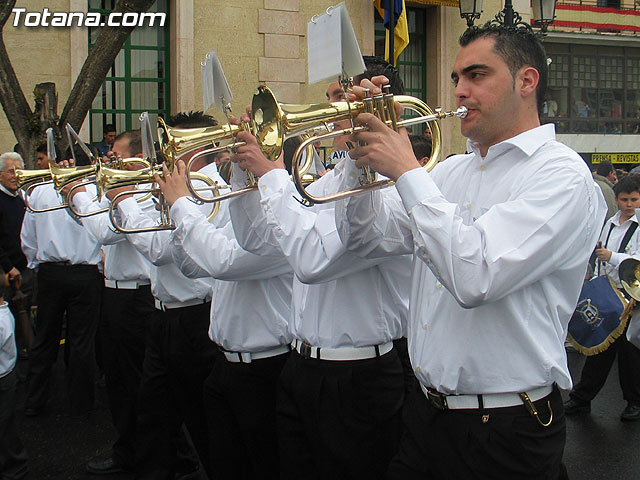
(67, 191)
(111, 193)
(250, 157)
(380, 147)
(174, 184)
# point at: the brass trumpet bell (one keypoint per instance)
(109, 178)
(176, 142)
(28, 179)
(64, 176)
(629, 274)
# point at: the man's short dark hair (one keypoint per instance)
(81, 157)
(604, 168)
(192, 119)
(42, 148)
(518, 47)
(108, 128)
(378, 66)
(421, 146)
(629, 184)
(135, 142)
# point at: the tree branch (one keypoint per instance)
(98, 63)
(13, 101)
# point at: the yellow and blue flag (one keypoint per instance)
(401, 30)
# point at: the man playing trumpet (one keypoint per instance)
(501, 237)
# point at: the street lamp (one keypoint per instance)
(543, 13)
(470, 10)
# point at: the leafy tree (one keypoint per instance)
(28, 124)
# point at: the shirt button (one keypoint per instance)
(468, 206)
(439, 285)
(418, 369)
(483, 168)
(424, 327)
(264, 188)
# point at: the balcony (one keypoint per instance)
(602, 16)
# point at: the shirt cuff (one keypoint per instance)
(239, 177)
(273, 181)
(184, 207)
(415, 186)
(616, 258)
(129, 206)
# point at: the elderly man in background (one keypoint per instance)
(12, 259)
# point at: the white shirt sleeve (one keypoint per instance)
(215, 250)
(373, 224)
(308, 237)
(513, 244)
(28, 238)
(99, 225)
(155, 246)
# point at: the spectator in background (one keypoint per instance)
(42, 161)
(621, 173)
(605, 177)
(421, 148)
(108, 137)
(12, 260)
(13, 457)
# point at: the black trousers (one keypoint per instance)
(339, 419)
(13, 457)
(240, 399)
(500, 443)
(76, 290)
(179, 357)
(122, 333)
(597, 367)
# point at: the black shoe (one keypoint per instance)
(631, 413)
(573, 406)
(104, 466)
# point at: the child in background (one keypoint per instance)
(13, 457)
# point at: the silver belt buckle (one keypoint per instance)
(438, 400)
(305, 350)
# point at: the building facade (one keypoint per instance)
(594, 74)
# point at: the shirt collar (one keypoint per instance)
(7, 191)
(616, 219)
(527, 142)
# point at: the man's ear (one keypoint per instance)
(529, 78)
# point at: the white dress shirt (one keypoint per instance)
(251, 300)
(8, 351)
(55, 236)
(339, 300)
(501, 246)
(615, 239)
(121, 259)
(168, 284)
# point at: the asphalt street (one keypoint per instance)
(599, 445)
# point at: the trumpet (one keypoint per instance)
(629, 274)
(115, 163)
(383, 107)
(271, 123)
(29, 179)
(110, 178)
(58, 176)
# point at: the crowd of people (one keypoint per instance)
(409, 332)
